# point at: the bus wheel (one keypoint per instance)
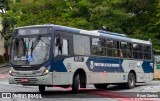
(100, 86)
(42, 88)
(131, 81)
(75, 85)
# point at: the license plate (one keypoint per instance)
(24, 80)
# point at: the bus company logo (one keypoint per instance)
(29, 58)
(6, 95)
(91, 64)
(138, 64)
(151, 64)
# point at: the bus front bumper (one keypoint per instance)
(35, 80)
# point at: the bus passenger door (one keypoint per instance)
(61, 52)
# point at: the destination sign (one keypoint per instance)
(33, 31)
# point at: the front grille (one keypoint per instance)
(31, 80)
(22, 68)
(26, 68)
(31, 68)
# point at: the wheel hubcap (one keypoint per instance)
(131, 81)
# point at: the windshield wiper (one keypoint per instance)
(34, 44)
(45, 42)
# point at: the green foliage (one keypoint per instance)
(136, 18)
(4, 5)
(2, 59)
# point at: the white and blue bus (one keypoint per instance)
(53, 55)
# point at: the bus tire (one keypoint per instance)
(75, 85)
(131, 81)
(100, 86)
(42, 88)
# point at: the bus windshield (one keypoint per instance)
(32, 50)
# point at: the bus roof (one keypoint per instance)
(98, 33)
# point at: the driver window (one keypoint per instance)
(65, 47)
(61, 49)
(58, 49)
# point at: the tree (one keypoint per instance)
(3, 7)
(141, 24)
(136, 18)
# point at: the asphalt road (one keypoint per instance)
(112, 93)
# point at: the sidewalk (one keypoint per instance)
(4, 68)
(4, 65)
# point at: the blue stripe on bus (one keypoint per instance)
(58, 66)
(147, 67)
(104, 64)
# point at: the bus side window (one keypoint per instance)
(130, 54)
(58, 48)
(146, 52)
(65, 47)
(120, 53)
(144, 56)
(61, 47)
(81, 45)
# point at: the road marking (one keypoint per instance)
(3, 76)
(70, 88)
(115, 95)
(106, 94)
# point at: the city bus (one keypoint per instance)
(54, 55)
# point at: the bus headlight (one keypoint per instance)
(46, 71)
(10, 72)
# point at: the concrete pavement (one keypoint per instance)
(4, 68)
